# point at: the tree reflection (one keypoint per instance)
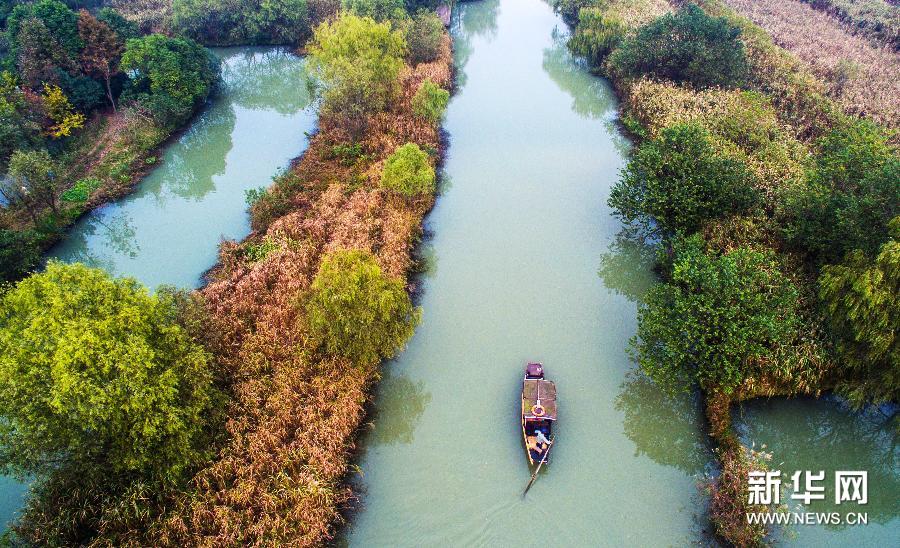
(667, 429)
(401, 403)
(266, 79)
(591, 96)
(825, 434)
(115, 233)
(627, 267)
(471, 20)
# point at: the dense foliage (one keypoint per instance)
(680, 181)
(357, 62)
(851, 195)
(96, 371)
(430, 101)
(379, 10)
(862, 297)
(408, 172)
(228, 22)
(358, 312)
(596, 35)
(716, 317)
(424, 35)
(687, 46)
(170, 76)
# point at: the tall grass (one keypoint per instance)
(875, 19)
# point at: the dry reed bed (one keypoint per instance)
(862, 78)
(279, 479)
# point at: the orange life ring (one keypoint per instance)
(537, 410)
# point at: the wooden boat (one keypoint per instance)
(538, 411)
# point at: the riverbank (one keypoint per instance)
(295, 413)
(772, 130)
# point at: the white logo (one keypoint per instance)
(812, 491)
(765, 487)
(851, 486)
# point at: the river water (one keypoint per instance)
(168, 230)
(519, 236)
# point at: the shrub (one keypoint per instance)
(680, 180)
(32, 182)
(94, 371)
(358, 312)
(862, 297)
(81, 190)
(851, 195)
(688, 46)
(570, 9)
(424, 37)
(408, 172)
(715, 319)
(357, 63)
(230, 22)
(596, 36)
(430, 101)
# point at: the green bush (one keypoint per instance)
(687, 46)
(408, 172)
(424, 37)
(851, 195)
(430, 101)
(81, 190)
(680, 180)
(570, 9)
(862, 297)
(232, 22)
(358, 312)
(95, 371)
(596, 36)
(715, 319)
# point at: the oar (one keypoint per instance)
(534, 476)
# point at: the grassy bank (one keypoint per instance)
(734, 136)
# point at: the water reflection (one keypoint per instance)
(591, 97)
(401, 402)
(467, 24)
(667, 429)
(626, 268)
(256, 79)
(168, 230)
(809, 434)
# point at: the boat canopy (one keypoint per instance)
(543, 390)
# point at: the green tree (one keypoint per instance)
(102, 51)
(687, 46)
(60, 21)
(19, 254)
(357, 63)
(32, 181)
(851, 195)
(227, 22)
(20, 126)
(430, 101)
(95, 372)
(172, 76)
(716, 319)
(424, 36)
(408, 172)
(680, 180)
(123, 28)
(357, 311)
(862, 297)
(39, 56)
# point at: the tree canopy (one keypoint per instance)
(358, 312)
(408, 171)
(357, 62)
(95, 371)
(716, 319)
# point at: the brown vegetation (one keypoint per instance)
(863, 78)
(279, 479)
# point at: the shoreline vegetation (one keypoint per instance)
(771, 209)
(285, 339)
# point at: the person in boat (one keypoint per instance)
(538, 442)
(541, 438)
(533, 445)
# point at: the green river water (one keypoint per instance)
(517, 240)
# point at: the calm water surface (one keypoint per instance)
(519, 236)
(168, 230)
